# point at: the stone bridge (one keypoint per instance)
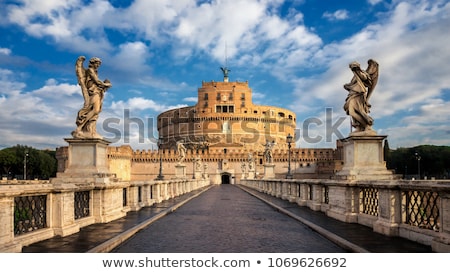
(193, 215)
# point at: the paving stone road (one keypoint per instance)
(226, 219)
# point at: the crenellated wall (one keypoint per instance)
(129, 164)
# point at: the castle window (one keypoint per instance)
(218, 96)
(224, 108)
(281, 114)
(206, 96)
(242, 96)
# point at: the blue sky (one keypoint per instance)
(294, 54)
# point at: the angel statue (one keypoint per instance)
(93, 91)
(181, 149)
(360, 89)
(268, 151)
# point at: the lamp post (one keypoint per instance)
(25, 165)
(160, 175)
(289, 139)
(418, 164)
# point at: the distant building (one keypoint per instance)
(225, 117)
(224, 129)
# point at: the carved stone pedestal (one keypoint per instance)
(269, 171)
(86, 171)
(197, 174)
(364, 159)
(180, 171)
(86, 158)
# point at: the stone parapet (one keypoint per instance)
(64, 213)
(416, 210)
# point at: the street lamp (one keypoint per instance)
(25, 165)
(160, 175)
(418, 164)
(289, 139)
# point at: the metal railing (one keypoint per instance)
(410, 209)
(368, 201)
(30, 213)
(81, 204)
(421, 209)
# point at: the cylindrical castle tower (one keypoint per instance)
(225, 116)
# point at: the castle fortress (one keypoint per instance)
(221, 132)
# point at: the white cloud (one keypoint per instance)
(191, 99)
(409, 43)
(5, 51)
(139, 104)
(43, 116)
(413, 66)
(341, 14)
(374, 2)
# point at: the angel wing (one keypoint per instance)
(81, 75)
(372, 70)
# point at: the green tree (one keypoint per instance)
(40, 164)
(8, 160)
(429, 160)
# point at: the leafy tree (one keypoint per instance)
(40, 164)
(7, 160)
(429, 160)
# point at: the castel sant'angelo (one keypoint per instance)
(225, 138)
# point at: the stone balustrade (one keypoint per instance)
(416, 210)
(32, 211)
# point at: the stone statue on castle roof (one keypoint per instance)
(225, 72)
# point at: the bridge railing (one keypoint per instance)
(417, 210)
(36, 210)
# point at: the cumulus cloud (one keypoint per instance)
(5, 51)
(413, 65)
(191, 99)
(341, 14)
(137, 103)
(408, 42)
(40, 116)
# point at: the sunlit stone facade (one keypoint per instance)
(225, 117)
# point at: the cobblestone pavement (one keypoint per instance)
(93, 237)
(226, 219)
(356, 237)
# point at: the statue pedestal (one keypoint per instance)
(87, 158)
(197, 174)
(364, 159)
(87, 171)
(180, 171)
(269, 171)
